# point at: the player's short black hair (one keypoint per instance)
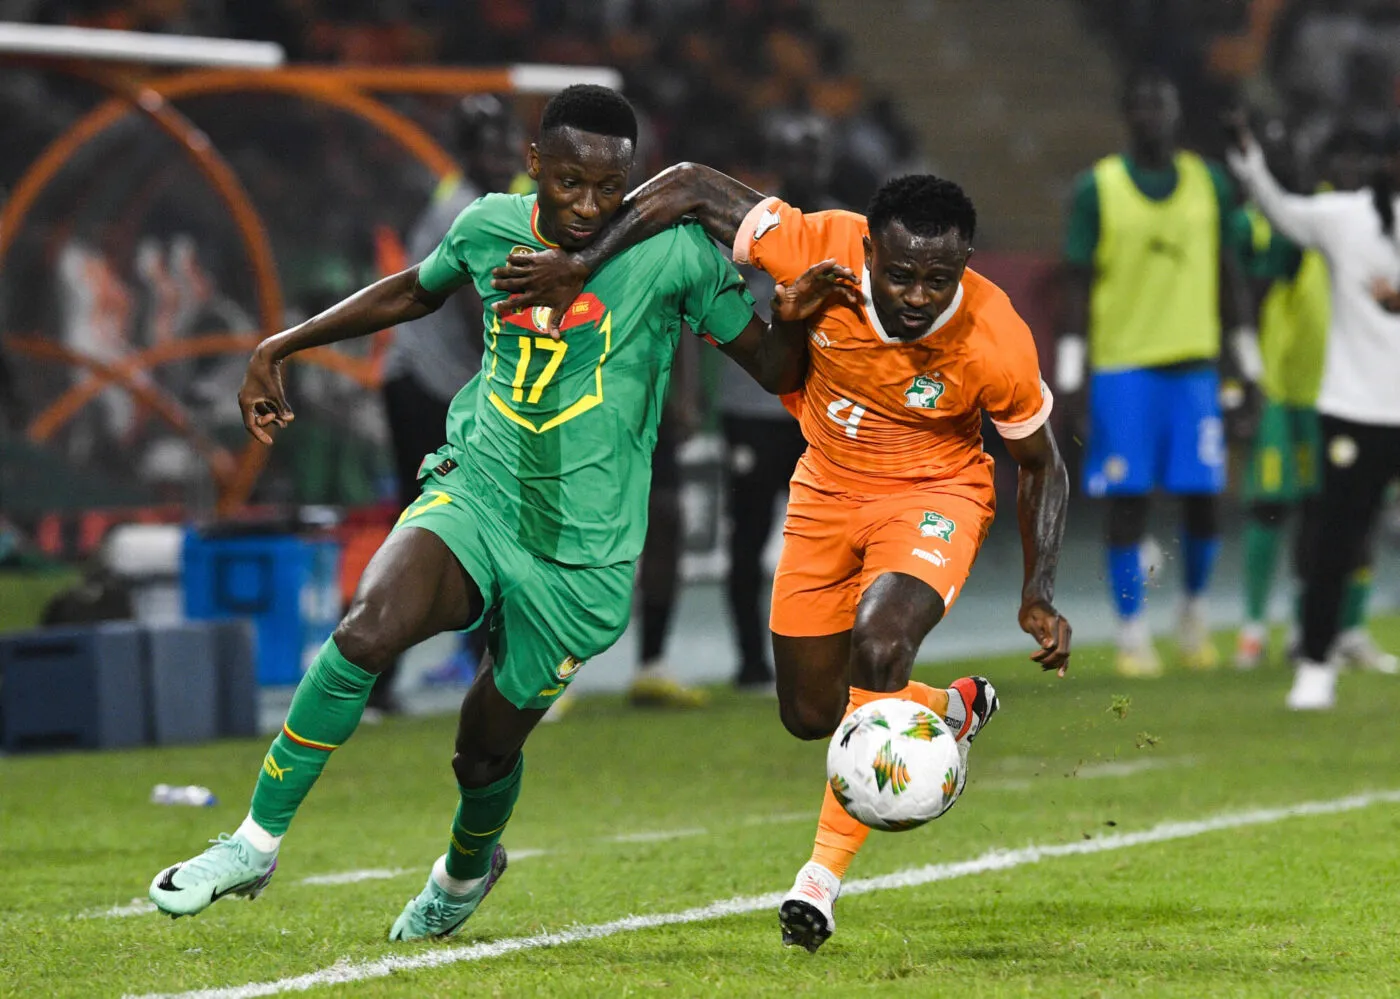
(925, 204)
(590, 108)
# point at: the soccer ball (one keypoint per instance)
(894, 765)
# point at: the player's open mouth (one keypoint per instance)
(915, 320)
(580, 232)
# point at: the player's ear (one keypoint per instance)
(532, 161)
(865, 244)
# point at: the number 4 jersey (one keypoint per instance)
(879, 410)
(559, 434)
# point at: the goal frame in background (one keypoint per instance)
(226, 66)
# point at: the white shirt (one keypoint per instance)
(1361, 372)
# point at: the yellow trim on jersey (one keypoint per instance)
(433, 497)
(535, 227)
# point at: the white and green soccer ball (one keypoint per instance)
(894, 765)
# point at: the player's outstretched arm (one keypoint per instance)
(775, 354)
(396, 299)
(1042, 496)
(714, 199)
(554, 278)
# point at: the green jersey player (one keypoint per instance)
(534, 510)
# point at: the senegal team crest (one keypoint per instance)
(539, 316)
(587, 308)
(569, 667)
(923, 393)
(935, 525)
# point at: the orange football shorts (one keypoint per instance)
(842, 533)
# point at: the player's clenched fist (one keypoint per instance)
(262, 399)
(821, 282)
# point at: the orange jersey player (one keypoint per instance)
(894, 495)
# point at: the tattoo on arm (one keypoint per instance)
(1042, 497)
(716, 200)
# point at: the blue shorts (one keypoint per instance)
(1152, 428)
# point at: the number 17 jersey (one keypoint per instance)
(558, 435)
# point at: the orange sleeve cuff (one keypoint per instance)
(1022, 429)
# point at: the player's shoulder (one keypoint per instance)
(494, 214)
(839, 225)
(984, 297)
(686, 242)
(504, 203)
(995, 324)
(833, 223)
(1085, 188)
(841, 218)
(1091, 174)
(686, 233)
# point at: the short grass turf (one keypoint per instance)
(1300, 907)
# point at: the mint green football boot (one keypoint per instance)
(230, 867)
(434, 912)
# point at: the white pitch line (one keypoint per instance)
(136, 907)
(1127, 768)
(659, 836)
(524, 854)
(1091, 771)
(344, 972)
(355, 877)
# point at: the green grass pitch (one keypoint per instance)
(640, 814)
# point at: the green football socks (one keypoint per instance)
(1355, 599)
(1261, 545)
(325, 709)
(481, 817)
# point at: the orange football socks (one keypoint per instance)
(839, 837)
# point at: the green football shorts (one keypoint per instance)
(1283, 464)
(550, 618)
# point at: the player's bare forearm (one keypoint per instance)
(716, 200)
(262, 398)
(396, 299)
(774, 354)
(1042, 497)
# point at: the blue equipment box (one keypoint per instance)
(289, 586)
(82, 686)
